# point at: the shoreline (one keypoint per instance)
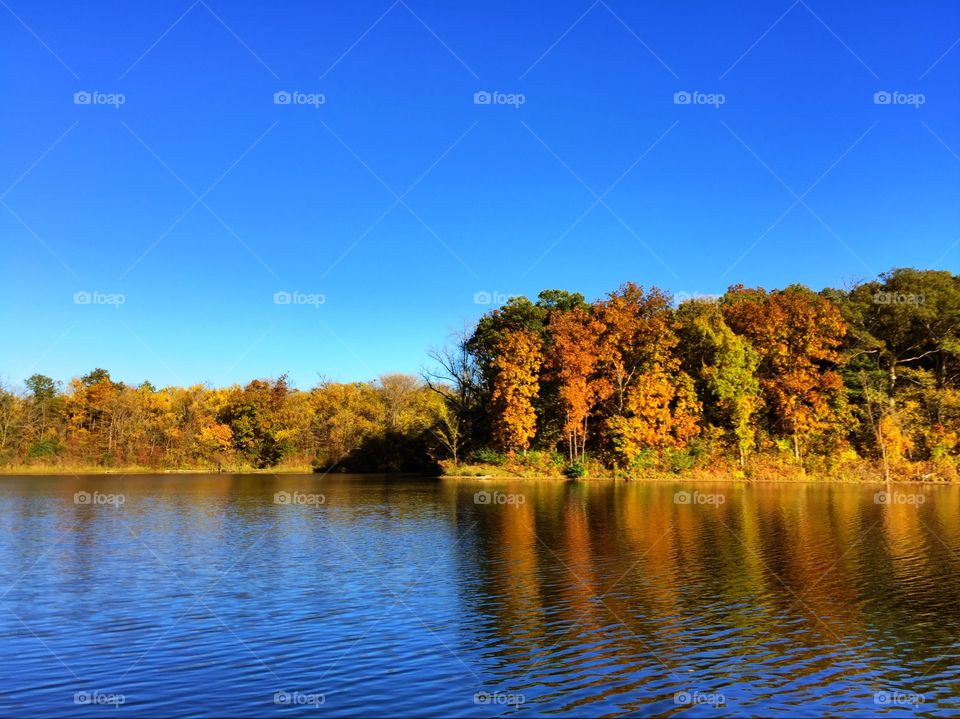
(121, 471)
(708, 480)
(689, 478)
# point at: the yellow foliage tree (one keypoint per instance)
(516, 383)
(662, 412)
(653, 404)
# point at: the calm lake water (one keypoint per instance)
(223, 595)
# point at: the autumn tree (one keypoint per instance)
(637, 335)
(520, 313)
(11, 419)
(345, 416)
(215, 443)
(401, 397)
(798, 336)
(43, 409)
(572, 362)
(403, 439)
(661, 412)
(252, 416)
(903, 352)
(90, 409)
(515, 384)
(652, 402)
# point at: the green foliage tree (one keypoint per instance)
(726, 365)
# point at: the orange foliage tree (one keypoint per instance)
(653, 404)
(573, 362)
(798, 335)
(516, 383)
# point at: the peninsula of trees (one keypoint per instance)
(861, 381)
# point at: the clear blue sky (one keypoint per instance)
(103, 198)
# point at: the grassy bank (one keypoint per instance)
(36, 469)
(536, 468)
(762, 471)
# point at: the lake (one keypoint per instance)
(235, 595)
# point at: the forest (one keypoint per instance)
(860, 382)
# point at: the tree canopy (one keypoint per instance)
(749, 381)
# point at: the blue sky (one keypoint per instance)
(399, 201)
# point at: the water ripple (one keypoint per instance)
(402, 597)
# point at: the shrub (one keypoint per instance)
(43, 449)
(575, 470)
(680, 459)
(531, 459)
(489, 456)
(645, 459)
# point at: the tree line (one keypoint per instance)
(862, 379)
(94, 421)
(752, 382)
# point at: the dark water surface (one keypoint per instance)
(213, 595)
